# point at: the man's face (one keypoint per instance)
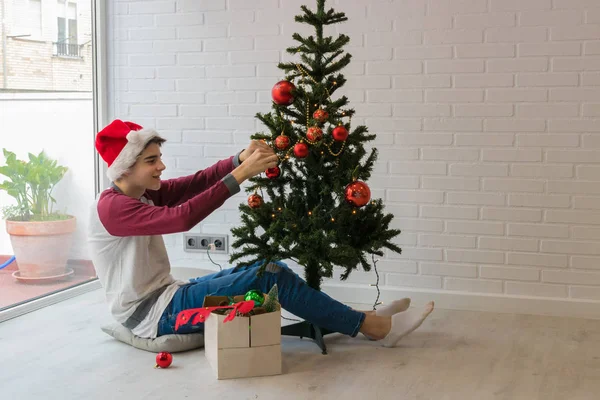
(146, 172)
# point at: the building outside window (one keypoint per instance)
(66, 42)
(46, 45)
(47, 104)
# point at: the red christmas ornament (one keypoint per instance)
(273, 173)
(282, 93)
(255, 201)
(195, 316)
(340, 133)
(301, 150)
(357, 193)
(282, 142)
(163, 359)
(320, 115)
(314, 134)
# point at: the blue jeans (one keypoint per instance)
(294, 295)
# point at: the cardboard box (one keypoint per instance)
(245, 347)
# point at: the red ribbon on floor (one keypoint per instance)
(198, 315)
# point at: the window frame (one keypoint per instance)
(100, 113)
(36, 36)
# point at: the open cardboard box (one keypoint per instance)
(244, 347)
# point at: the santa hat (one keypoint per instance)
(120, 143)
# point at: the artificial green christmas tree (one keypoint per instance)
(318, 211)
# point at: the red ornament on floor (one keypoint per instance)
(273, 173)
(301, 150)
(357, 193)
(340, 133)
(320, 115)
(282, 142)
(163, 359)
(282, 93)
(314, 134)
(255, 201)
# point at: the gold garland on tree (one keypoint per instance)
(329, 146)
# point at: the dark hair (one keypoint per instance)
(158, 140)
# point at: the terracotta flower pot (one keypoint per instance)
(41, 248)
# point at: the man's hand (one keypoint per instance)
(254, 145)
(262, 158)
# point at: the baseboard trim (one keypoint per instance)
(365, 294)
(362, 294)
(48, 300)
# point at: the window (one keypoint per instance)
(35, 19)
(66, 42)
(48, 101)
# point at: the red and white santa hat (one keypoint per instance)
(120, 143)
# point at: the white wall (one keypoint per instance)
(62, 126)
(487, 119)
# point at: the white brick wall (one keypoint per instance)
(486, 110)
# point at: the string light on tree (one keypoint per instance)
(377, 302)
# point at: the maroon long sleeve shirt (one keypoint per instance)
(127, 248)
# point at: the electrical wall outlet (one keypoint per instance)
(196, 242)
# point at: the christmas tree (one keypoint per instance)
(318, 211)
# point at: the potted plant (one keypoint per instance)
(40, 237)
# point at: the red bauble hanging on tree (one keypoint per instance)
(320, 115)
(163, 359)
(273, 173)
(340, 133)
(282, 93)
(301, 150)
(282, 142)
(314, 134)
(357, 193)
(255, 201)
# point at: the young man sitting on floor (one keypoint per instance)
(125, 235)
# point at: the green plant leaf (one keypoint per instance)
(31, 184)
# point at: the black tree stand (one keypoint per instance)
(306, 329)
